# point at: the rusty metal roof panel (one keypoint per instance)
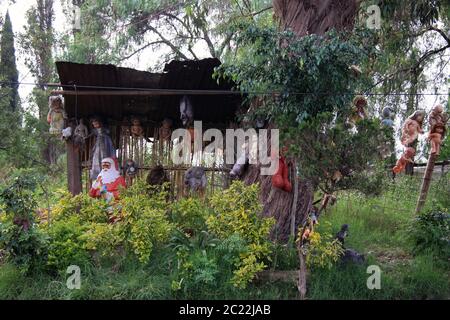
(191, 75)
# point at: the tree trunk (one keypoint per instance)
(280, 204)
(315, 16)
(303, 17)
(410, 108)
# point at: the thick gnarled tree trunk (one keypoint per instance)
(315, 16)
(303, 17)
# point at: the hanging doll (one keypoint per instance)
(388, 115)
(56, 115)
(195, 179)
(80, 133)
(437, 116)
(186, 111)
(359, 111)
(103, 147)
(406, 157)
(136, 127)
(240, 164)
(130, 170)
(280, 179)
(435, 137)
(165, 131)
(437, 121)
(412, 127)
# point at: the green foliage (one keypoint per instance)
(189, 214)
(87, 208)
(67, 246)
(140, 224)
(322, 250)
(26, 249)
(314, 120)
(8, 68)
(144, 222)
(23, 243)
(430, 232)
(236, 211)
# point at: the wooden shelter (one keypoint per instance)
(116, 95)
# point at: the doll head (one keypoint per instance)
(418, 115)
(166, 123)
(136, 122)
(359, 102)
(439, 128)
(439, 109)
(55, 103)
(409, 153)
(388, 113)
(96, 123)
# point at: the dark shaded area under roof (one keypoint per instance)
(213, 110)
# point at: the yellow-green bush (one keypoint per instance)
(322, 250)
(236, 211)
(66, 246)
(189, 214)
(141, 222)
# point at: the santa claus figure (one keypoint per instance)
(108, 181)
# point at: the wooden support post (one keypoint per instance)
(73, 168)
(294, 201)
(426, 183)
(301, 286)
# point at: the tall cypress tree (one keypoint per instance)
(8, 69)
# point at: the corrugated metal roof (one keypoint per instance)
(151, 109)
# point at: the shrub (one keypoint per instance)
(23, 243)
(430, 232)
(236, 211)
(140, 223)
(67, 246)
(144, 223)
(26, 249)
(322, 250)
(87, 208)
(189, 214)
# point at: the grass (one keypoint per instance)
(378, 229)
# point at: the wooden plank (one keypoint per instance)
(73, 169)
(426, 183)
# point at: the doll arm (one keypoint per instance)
(49, 116)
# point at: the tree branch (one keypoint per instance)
(168, 43)
(140, 49)
(442, 33)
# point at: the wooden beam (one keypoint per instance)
(145, 92)
(73, 168)
(426, 183)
